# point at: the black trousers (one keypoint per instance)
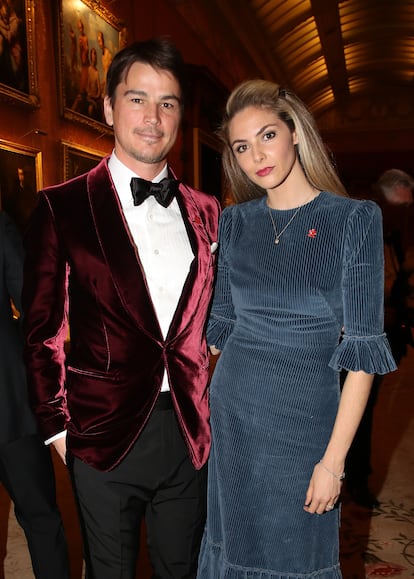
(156, 480)
(26, 471)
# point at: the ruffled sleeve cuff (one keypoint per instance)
(218, 330)
(371, 354)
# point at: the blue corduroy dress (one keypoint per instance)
(287, 318)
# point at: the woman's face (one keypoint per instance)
(263, 146)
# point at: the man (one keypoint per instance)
(396, 186)
(26, 468)
(394, 190)
(394, 193)
(135, 276)
(19, 199)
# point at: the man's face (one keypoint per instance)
(145, 114)
(399, 195)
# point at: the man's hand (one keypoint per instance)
(214, 351)
(60, 447)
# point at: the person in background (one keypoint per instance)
(26, 468)
(298, 297)
(394, 193)
(22, 199)
(126, 254)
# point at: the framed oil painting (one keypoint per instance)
(78, 159)
(89, 37)
(18, 75)
(20, 180)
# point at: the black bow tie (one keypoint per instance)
(164, 191)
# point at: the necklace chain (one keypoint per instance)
(279, 235)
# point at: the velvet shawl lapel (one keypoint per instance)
(119, 250)
(200, 267)
(124, 263)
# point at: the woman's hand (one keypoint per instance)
(326, 482)
(323, 491)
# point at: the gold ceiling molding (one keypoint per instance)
(332, 53)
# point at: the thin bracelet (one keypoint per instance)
(338, 476)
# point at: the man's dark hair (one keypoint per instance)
(160, 53)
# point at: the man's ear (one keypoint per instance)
(108, 111)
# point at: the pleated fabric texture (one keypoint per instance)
(287, 318)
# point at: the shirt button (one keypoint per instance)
(156, 251)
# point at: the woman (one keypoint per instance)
(299, 296)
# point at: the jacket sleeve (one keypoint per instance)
(222, 317)
(364, 345)
(46, 325)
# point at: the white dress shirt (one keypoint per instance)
(160, 236)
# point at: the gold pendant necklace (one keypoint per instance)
(279, 235)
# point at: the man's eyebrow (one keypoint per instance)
(142, 93)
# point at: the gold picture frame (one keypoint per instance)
(78, 159)
(18, 72)
(20, 179)
(89, 36)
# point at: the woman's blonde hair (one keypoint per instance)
(313, 155)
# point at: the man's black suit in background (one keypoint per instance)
(26, 468)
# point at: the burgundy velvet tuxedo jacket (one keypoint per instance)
(82, 266)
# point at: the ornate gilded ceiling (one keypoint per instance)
(344, 58)
(331, 49)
